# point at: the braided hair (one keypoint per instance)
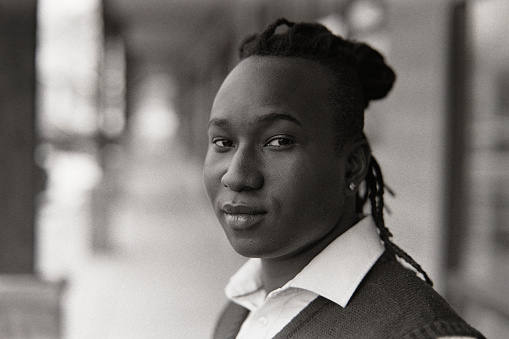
(362, 75)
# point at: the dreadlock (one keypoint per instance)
(362, 75)
(375, 192)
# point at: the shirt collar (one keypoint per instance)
(346, 262)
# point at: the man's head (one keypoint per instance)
(287, 150)
(286, 141)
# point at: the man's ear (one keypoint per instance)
(357, 163)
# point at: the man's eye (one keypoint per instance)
(279, 142)
(222, 142)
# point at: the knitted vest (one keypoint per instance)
(391, 302)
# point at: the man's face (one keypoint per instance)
(271, 171)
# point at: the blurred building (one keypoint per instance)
(110, 69)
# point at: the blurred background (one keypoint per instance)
(105, 229)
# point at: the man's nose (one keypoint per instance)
(243, 172)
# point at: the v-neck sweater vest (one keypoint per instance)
(391, 302)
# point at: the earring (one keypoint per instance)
(352, 186)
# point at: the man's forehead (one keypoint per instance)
(296, 67)
(276, 79)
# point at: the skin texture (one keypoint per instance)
(272, 173)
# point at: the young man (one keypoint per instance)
(286, 158)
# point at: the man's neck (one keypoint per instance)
(277, 272)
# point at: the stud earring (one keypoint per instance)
(352, 186)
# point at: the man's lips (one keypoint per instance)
(242, 217)
(241, 209)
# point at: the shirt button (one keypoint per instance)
(263, 321)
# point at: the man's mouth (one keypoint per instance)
(242, 217)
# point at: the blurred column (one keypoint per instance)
(458, 115)
(29, 307)
(17, 136)
(112, 121)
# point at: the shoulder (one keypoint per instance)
(391, 286)
(401, 303)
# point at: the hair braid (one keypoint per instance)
(375, 191)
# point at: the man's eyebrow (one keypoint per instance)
(219, 122)
(272, 117)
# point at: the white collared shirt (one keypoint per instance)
(335, 274)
